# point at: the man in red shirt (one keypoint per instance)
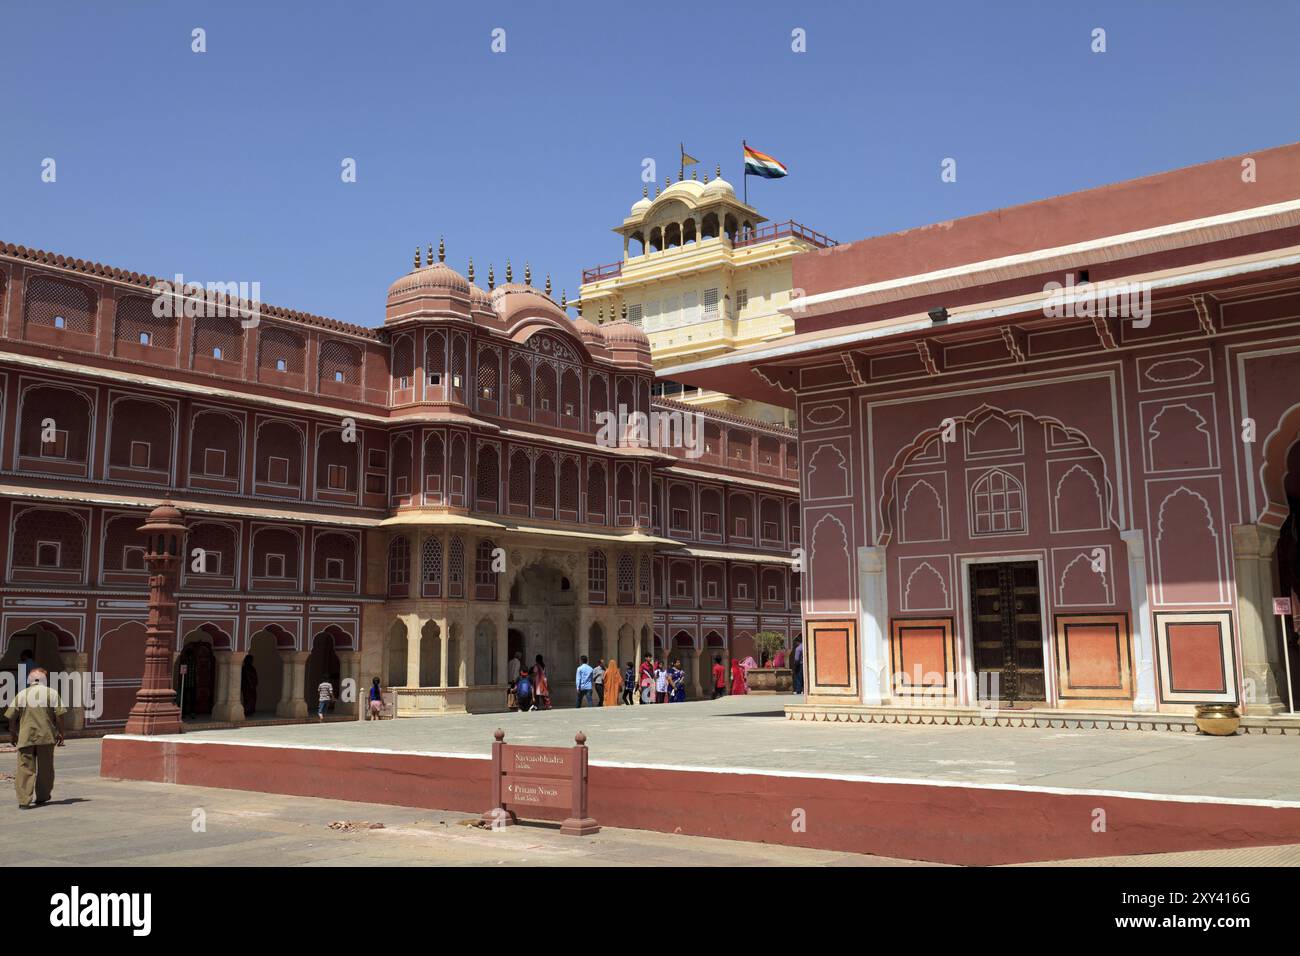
(719, 679)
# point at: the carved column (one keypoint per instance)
(298, 702)
(155, 710)
(873, 622)
(414, 635)
(285, 707)
(1254, 547)
(1144, 670)
(229, 707)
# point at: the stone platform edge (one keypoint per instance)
(1054, 720)
(940, 821)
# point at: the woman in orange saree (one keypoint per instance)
(613, 683)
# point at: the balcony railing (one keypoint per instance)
(602, 272)
(766, 233)
(779, 230)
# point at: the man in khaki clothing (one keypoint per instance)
(35, 728)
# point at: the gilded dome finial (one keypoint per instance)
(717, 171)
(442, 250)
(470, 273)
(645, 191)
(428, 255)
(706, 176)
(528, 273)
(624, 315)
(492, 279)
(695, 173)
(548, 285)
(564, 299)
(417, 258)
(510, 273)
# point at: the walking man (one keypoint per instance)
(324, 695)
(583, 679)
(35, 728)
(719, 679)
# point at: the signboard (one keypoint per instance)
(1282, 606)
(549, 777)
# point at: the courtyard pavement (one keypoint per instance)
(98, 822)
(751, 733)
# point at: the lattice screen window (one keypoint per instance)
(484, 576)
(544, 483)
(519, 483)
(458, 361)
(340, 362)
(626, 570)
(571, 392)
(61, 305)
(218, 338)
(431, 561)
(433, 451)
(456, 472)
(435, 357)
(281, 351)
(742, 298)
(644, 577)
(769, 451)
(546, 387)
(596, 493)
(456, 566)
(998, 504)
(599, 396)
(489, 373)
(61, 527)
(135, 322)
(738, 444)
(521, 384)
(399, 561)
(488, 482)
(710, 304)
(569, 485)
(596, 570)
(634, 313)
(403, 362)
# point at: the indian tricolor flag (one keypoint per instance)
(761, 164)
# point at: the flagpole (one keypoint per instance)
(744, 169)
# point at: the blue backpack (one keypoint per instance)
(524, 687)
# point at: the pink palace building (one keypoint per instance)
(416, 502)
(1050, 455)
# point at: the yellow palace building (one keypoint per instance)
(702, 273)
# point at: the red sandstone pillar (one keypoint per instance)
(155, 710)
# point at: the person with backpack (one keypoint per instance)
(524, 691)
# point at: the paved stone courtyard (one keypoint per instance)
(98, 822)
(751, 733)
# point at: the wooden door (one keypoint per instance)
(1007, 627)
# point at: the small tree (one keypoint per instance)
(769, 642)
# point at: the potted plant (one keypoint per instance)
(770, 680)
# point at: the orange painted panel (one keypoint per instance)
(922, 653)
(1195, 658)
(1094, 656)
(831, 657)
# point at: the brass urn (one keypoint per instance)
(1217, 720)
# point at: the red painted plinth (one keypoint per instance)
(950, 824)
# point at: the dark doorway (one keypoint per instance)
(1007, 625)
(196, 679)
(515, 643)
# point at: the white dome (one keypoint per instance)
(719, 187)
(641, 205)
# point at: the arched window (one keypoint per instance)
(643, 580)
(399, 566)
(487, 479)
(544, 486)
(134, 323)
(998, 504)
(626, 577)
(597, 573)
(569, 487)
(280, 350)
(519, 481)
(596, 492)
(456, 568)
(485, 579)
(431, 568)
(340, 364)
(56, 304)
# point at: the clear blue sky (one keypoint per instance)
(226, 165)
